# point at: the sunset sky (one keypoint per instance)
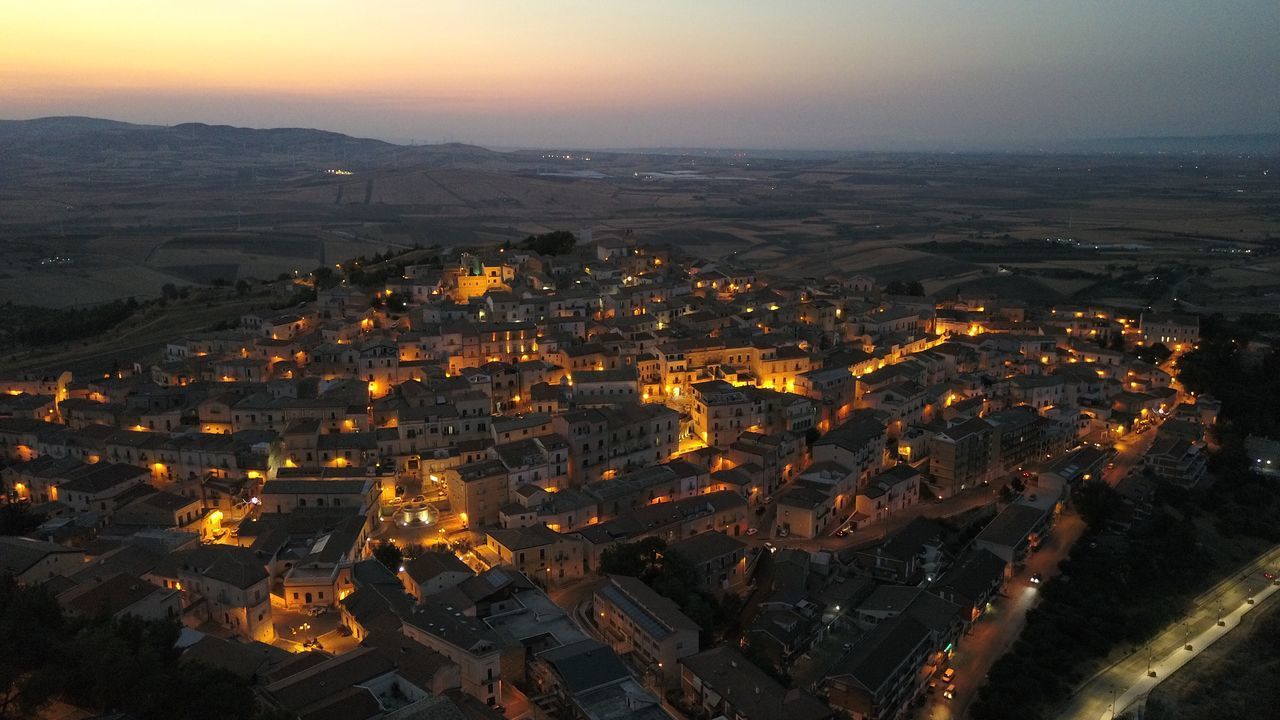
(822, 74)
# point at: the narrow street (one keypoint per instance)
(993, 634)
(996, 631)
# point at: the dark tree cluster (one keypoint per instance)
(556, 242)
(50, 326)
(105, 665)
(1247, 383)
(1113, 597)
(676, 579)
(389, 554)
(899, 287)
(169, 291)
(324, 277)
(18, 519)
(1154, 354)
(393, 302)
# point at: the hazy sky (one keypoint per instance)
(832, 74)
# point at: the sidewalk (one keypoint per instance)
(1113, 690)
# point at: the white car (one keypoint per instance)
(752, 531)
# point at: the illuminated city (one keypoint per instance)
(721, 362)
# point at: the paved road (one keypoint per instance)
(996, 632)
(1111, 691)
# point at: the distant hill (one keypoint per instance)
(94, 141)
(56, 127)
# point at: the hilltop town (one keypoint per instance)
(601, 479)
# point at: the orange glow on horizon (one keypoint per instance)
(394, 50)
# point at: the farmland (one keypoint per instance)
(213, 205)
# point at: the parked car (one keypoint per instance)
(948, 675)
(752, 531)
(315, 610)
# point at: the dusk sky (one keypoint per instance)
(815, 74)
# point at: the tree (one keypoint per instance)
(51, 326)
(18, 519)
(635, 559)
(101, 664)
(389, 554)
(242, 287)
(898, 287)
(324, 277)
(396, 302)
(556, 242)
(1096, 501)
(1154, 354)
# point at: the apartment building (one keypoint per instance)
(637, 620)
